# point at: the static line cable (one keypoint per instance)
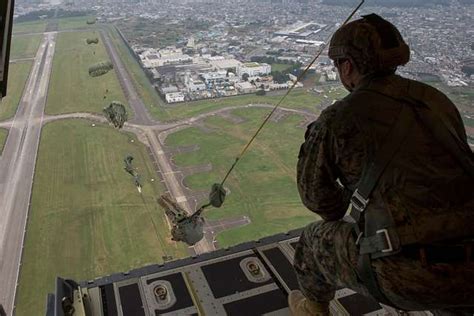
(214, 192)
(244, 150)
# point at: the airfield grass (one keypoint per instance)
(32, 26)
(87, 218)
(262, 186)
(3, 138)
(24, 46)
(63, 24)
(17, 77)
(71, 88)
(297, 99)
(75, 22)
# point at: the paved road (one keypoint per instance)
(141, 113)
(174, 186)
(17, 165)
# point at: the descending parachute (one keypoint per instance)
(94, 40)
(129, 168)
(100, 69)
(186, 228)
(116, 114)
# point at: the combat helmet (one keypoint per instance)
(372, 43)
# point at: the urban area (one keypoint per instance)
(208, 49)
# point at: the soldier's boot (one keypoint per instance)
(301, 306)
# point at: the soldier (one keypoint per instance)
(395, 150)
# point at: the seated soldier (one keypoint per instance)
(395, 150)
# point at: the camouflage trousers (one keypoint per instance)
(326, 259)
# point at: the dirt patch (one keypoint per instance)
(235, 119)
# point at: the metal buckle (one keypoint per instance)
(358, 201)
(359, 237)
(387, 238)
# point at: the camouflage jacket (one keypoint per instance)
(423, 186)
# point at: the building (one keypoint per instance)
(214, 77)
(331, 75)
(193, 85)
(254, 69)
(152, 58)
(168, 89)
(174, 97)
(300, 30)
(245, 87)
(227, 64)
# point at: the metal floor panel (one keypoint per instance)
(249, 279)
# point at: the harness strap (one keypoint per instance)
(380, 242)
(369, 279)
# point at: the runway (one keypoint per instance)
(17, 166)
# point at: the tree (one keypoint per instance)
(279, 77)
(245, 77)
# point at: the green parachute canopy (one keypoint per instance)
(217, 195)
(116, 114)
(100, 69)
(94, 40)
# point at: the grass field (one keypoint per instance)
(3, 138)
(71, 88)
(75, 22)
(298, 99)
(24, 46)
(33, 26)
(17, 76)
(263, 185)
(87, 218)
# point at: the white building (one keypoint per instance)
(332, 75)
(174, 97)
(230, 64)
(152, 58)
(214, 76)
(253, 69)
(195, 85)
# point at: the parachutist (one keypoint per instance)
(186, 228)
(129, 168)
(217, 195)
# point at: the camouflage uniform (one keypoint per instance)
(424, 188)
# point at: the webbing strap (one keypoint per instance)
(381, 242)
(369, 279)
(375, 168)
